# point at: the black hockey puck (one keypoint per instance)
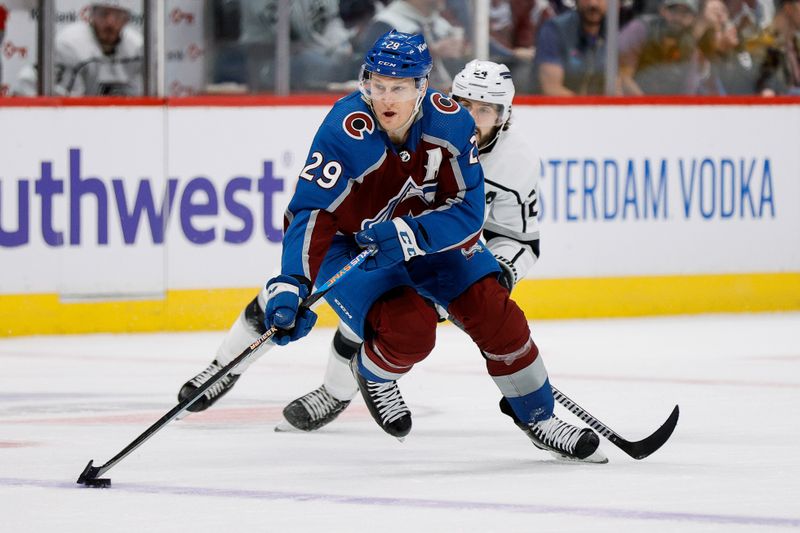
(98, 483)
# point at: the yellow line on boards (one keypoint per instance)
(215, 309)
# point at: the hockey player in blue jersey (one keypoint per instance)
(395, 167)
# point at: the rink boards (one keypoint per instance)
(154, 216)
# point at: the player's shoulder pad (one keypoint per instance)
(513, 163)
(350, 133)
(444, 119)
(351, 117)
(515, 148)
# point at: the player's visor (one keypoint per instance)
(388, 89)
(486, 115)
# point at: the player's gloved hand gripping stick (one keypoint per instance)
(90, 475)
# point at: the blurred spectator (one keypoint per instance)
(540, 12)
(319, 43)
(356, 14)
(729, 69)
(720, 70)
(3, 17)
(657, 53)
(570, 57)
(781, 63)
(513, 26)
(511, 31)
(750, 17)
(445, 41)
(100, 57)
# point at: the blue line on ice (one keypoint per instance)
(625, 514)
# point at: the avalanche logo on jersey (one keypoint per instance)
(470, 252)
(444, 104)
(410, 189)
(356, 123)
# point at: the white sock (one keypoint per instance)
(339, 380)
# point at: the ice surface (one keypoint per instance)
(732, 464)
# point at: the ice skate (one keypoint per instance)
(311, 411)
(563, 440)
(217, 391)
(385, 404)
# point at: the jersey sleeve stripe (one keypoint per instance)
(504, 188)
(306, 258)
(459, 177)
(450, 147)
(462, 243)
(505, 231)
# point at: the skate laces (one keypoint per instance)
(558, 434)
(319, 403)
(388, 400)
(207, 374)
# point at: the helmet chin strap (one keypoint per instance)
(414, 113)
(493, 140)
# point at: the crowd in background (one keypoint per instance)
(553, 47)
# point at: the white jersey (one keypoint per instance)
(511, 230)
(81, 67)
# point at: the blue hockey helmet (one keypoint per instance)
(399, 55)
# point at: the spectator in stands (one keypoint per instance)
(750, 17)
(658, 53)
(781, 57)
(445, 41)
(102, 56)
(570, 56)
(511, 31)
(3, 17)
(729, 67)
(319, 42)
(356, 16)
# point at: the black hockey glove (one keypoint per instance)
(508, 273)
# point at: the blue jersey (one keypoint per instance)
(355, 177)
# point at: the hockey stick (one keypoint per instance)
(638, 449)
(90, 474)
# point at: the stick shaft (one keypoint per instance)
(184, 404)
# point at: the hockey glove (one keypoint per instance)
(284, 296)
(394, 241)
(508, 273)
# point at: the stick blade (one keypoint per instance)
(89, 474)
(645, 447)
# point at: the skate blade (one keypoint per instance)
(285, 427)
(183, 415)
(401, 439)
(598, 457)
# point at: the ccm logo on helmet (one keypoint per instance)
(356, 123)
(444, 104)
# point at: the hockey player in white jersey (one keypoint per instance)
(101, 57)
(511, 230)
